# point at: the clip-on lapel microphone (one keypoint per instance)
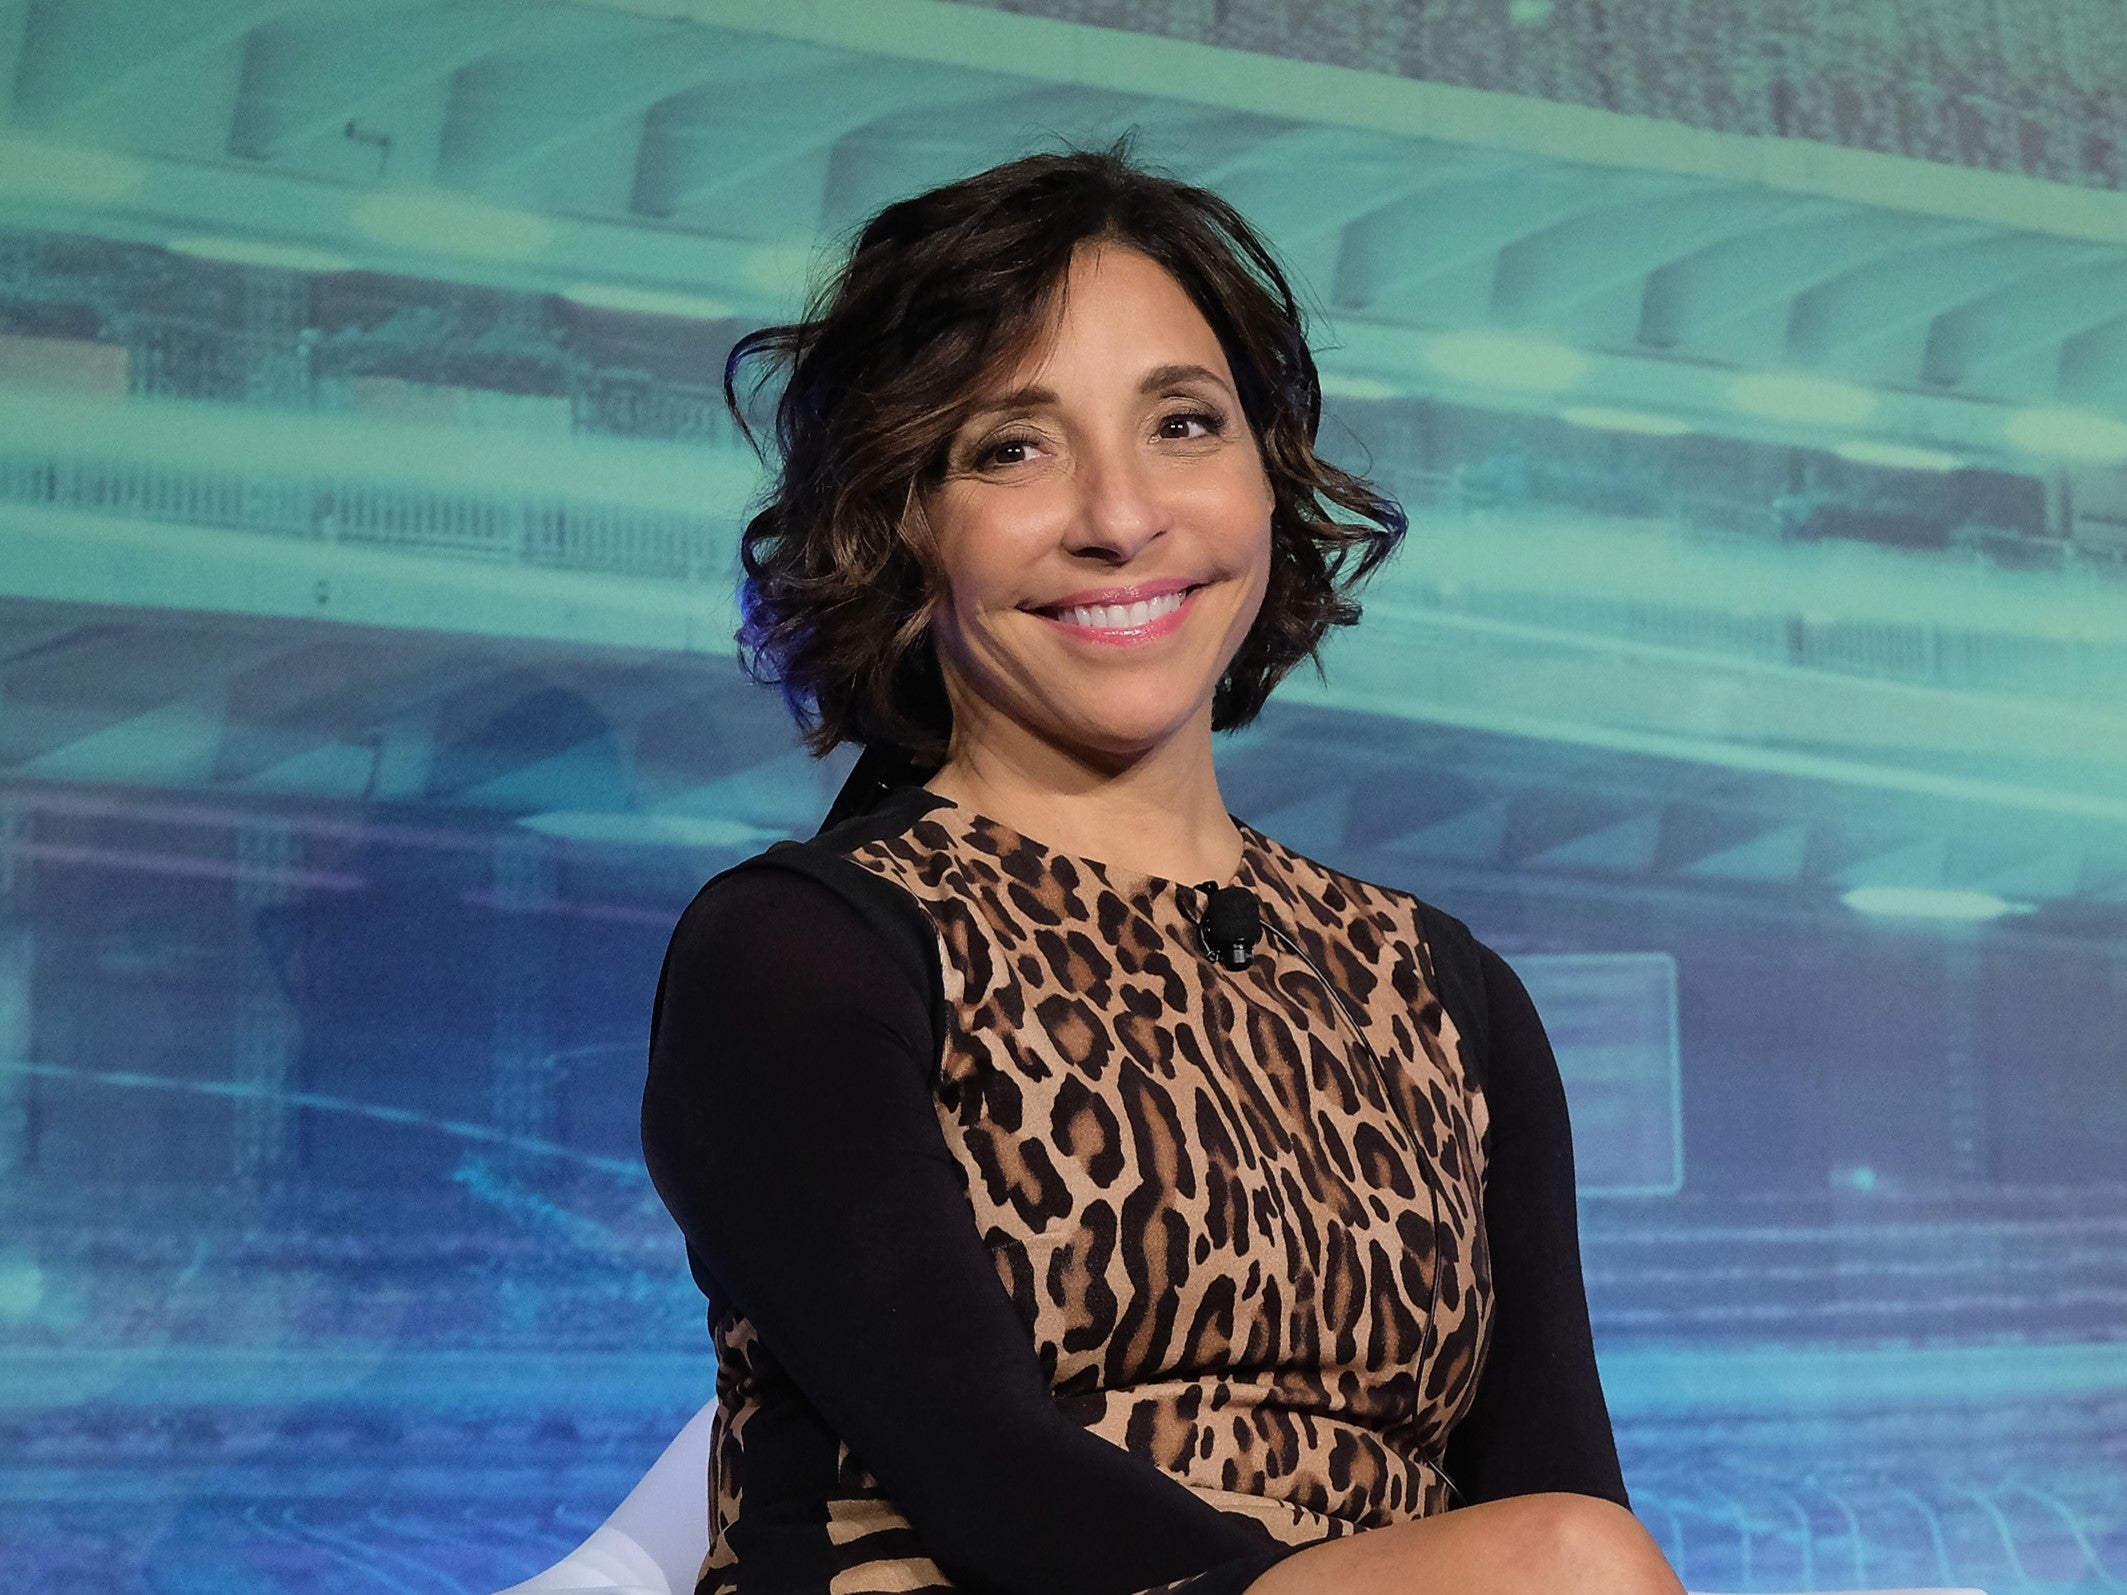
(1231, 922)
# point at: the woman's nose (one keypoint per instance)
(1119, 508)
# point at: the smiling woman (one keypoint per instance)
(1122, 460)
(917, 402)
(1047, 1253)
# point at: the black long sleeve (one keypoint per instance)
(789, 1126)
(1538, 1420)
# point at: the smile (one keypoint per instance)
(1124, 623)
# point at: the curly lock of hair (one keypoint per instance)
(841, 582)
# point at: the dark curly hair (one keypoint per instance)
(841, 584)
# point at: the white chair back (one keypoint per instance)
(654, 1542)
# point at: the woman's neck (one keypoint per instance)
(1163, 818)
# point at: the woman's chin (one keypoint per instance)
(1124, 736)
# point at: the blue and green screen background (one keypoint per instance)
(1753, 677)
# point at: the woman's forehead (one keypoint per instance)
(1171, 341)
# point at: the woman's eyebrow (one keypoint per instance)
(1157, 378)
(1167, 376)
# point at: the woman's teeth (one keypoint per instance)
(1116, 615)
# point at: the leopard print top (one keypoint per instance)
(1211, 1215)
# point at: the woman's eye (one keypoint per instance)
(1211, 420)
(988, 455)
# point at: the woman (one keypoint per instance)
(1050, 1248)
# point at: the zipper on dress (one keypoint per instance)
(1454, 1490)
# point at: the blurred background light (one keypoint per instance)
(1927, 902)
(648, 830)
(448, 225)
(1506, 360)
(646, 301)
(779, 268)
(60, 171)
(1602, 418)
(1342, 385)
(21, 1282)
(259, 252)
(1798, 396)
(1898, 456)
(2069, 434)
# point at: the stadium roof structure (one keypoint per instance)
(699, 158)
(705, 149)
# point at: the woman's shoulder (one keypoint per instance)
(825, 915)
(1318, 874)
(811, 880)
(1455, 960)
(1338, 889)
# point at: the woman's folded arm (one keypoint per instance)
(789, 1126)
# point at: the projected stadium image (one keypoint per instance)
(1752, 678)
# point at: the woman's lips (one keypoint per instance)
(1128, 636)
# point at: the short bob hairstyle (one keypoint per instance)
(942, 289)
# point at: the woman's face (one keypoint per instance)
(1112, 466)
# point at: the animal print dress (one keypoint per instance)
(1210, 1210)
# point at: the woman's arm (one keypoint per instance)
(789, 1125)
(1538, 1421)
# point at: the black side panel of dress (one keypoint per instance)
(1458, 980)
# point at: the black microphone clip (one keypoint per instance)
(1231, 922)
